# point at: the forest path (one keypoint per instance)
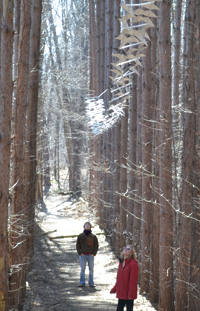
(53, 282)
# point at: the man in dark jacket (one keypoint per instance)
(87, 246)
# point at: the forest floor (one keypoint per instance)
(52, 284)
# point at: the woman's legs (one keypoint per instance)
(129, 305)
(122, 303)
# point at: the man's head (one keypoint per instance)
(87, 226)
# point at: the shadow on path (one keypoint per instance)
(53, 281)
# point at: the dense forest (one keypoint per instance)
(100, 99)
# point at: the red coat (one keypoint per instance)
(127, 278)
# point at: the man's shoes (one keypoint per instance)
(83, 285)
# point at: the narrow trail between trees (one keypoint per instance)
(53, 281)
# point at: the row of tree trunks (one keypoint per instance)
(60, 109)
(188, 244)
(151, 188)
(19, 171)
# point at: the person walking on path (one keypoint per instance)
(127, 278)
(87, 247)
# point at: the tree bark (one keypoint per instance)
(146, 171)
(116, 188)
(195, 234)
(131, 163)
(94, 56)
(31, 138)
(123, 178)
(166, 299)
(19, 227)
(186, 266)
(154, 264)
(138, 183)
(6, 88)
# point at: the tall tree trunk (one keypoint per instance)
(154, 264)
(132, 160)
(138, 182)
(116, 187)
(176, 81)
(46, 173)
(177, 47)
(107, 97)
(17, 17)
(189, 162)
(93, 52)
(39, 159)
(34, 78)
(1, 14)
(6, 88)
(146, 171)
(166, 212)
(69, 146)
(123, 178)
(18, 213)
(94, 42)
(195, 234)
(77, 151)
(112, 149)
(102, 46)
(101, 23)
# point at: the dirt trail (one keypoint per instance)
(53, 282)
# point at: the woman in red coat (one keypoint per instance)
(127, 278)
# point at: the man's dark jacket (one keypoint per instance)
(87, 244)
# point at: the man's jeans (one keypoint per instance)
(90, 260)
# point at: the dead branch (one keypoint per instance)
(45, 233)
(70, 236)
